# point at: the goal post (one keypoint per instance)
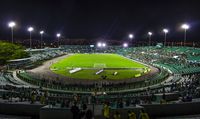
(99, 65)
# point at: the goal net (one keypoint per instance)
(99, 65)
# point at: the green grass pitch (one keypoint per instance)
(92, 63)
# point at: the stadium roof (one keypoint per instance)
(18, 60)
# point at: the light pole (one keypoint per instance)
(131, 38)
(11, 25)
(185, 27)
(165, 32)
(30, 29)
(41, 33)
(58, 36)
(150, 34)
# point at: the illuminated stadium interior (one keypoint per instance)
(90, 61)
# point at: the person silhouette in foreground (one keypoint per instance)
(89, 114)
(83, 111)
(117, 115)
(131, 115)
(75, 111)
(106, 110)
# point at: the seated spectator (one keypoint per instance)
(143, 115)
(117, 115)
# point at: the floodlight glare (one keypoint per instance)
(125, 45)
(41, 32)
(11, 24)
(30, 29)
(58, 35)
(185, 26)
(165, 30)
(150, 33)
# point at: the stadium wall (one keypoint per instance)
(166, 110)
(20, 109)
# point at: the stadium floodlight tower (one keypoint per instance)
(30, 29)
(41, 34)
(125, 45)
(12, 24)
(185, 27)
(58, 35)
(166, 31)
(150, 34)
(131, 36)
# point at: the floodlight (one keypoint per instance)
(125, 45)
(104, 44)
(41, 32)
(99, 44)
(185, 26)
(30, 29)
(130, 36)
(165, 30)
(58, 35)
(150, 33)
(11, 24)
(165, 37)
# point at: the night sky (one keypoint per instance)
(107, 19)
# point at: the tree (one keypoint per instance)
(9, 51)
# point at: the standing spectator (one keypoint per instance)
(117, 115)
(83, 111)
(131, 115)
(75, 111)
(33, 97)
(89, 114)
(42, 99)
(106, 110)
